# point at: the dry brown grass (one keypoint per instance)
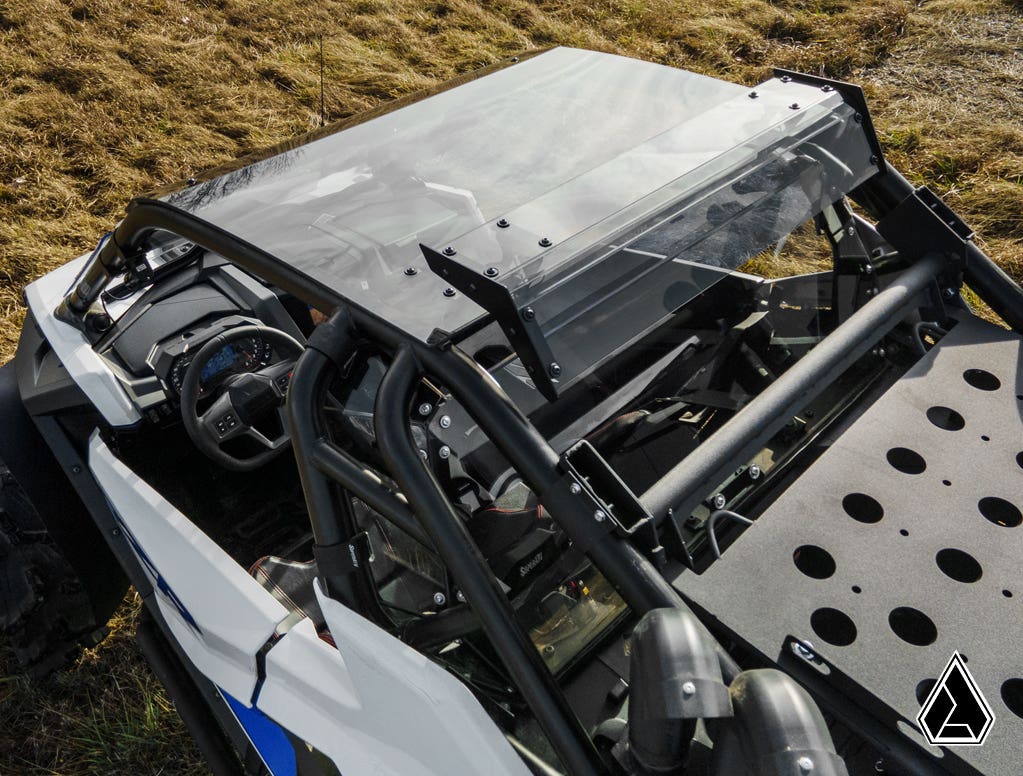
(102, 100)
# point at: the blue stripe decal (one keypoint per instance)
(267, 736)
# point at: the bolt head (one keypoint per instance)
(491, 272)
(460, 596)
(720, 500)
(423, 454)
(449, 251)
(949, 293)
(449, 291)
(554, 369)
(545, 242)
(785, 79)
(575, 488)
(445, 421)
(753, 95)
(444, 452)
(794, 106)
(439, 598)
(425, 409)
(600, 515)
(503, 223)
(410, 271)
(868, 269)
(805, 764)
(528, 314)
(754, 472)
(688, 689)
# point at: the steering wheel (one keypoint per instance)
(242, 400)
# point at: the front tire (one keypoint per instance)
(45, 612)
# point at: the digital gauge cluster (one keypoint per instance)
(172, 358)
(244, 355)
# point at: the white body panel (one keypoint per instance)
(90, 372)
(376, 706)
(233, 615)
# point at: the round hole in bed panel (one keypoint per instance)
(1019, 459)
(958, 565)
(1000, 512)
(946, 483)
(857, 589)
(860, 506)
(923, 689)
(1007, 593)
(906, 461)
(814, 561)
(834, 626)
(1012, 696)
(982, 380)
(946, 418)
(913, 626)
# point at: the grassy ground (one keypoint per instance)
(102, 100)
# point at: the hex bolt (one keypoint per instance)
(554, 369)
(600, 515)
(410, 271)
(503, 223)
(445, 421)
(575, 488)
(753, 95)
(805, 764)
(444, 452)
(720, 500)
(754, 472)
(425, 409)
(439, 598)
(688, 689)
(794, 106)
(449, 291)
(491, 272)
(528, 314)
(545, 242)
(449, 251)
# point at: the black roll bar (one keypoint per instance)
(689, 482)
(470, 569)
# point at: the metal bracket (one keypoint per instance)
(923, 224)
(519, 326)
(615, 506)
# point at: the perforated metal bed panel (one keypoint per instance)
(901, 545)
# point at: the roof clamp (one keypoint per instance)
(613, 505)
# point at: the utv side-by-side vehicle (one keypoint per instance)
(454, 439)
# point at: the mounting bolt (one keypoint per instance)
(827, 88)
(528, 314)
(794, 106)
(575, 488)
(874, 159)
(720, 500)
(410, 271)
(949, 293)
(460, 596)
(116, 532)
(444, 452)
(191, 181)
(449, 251)
(554, 369)
(439, 598)
(858, 118)
(754, 472)
(449, 291)
(871, 291)
(688, 689)
(600, 515)
(503, 223)
(76, 469)
(851, 231)
(785, 79)
(880, 352)
(753, 95)
(445, 421)
(805, 650)
(805, 764)
(491, 272)
(868, 269)
(545, 242)
(425, 409)
(423, 455)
